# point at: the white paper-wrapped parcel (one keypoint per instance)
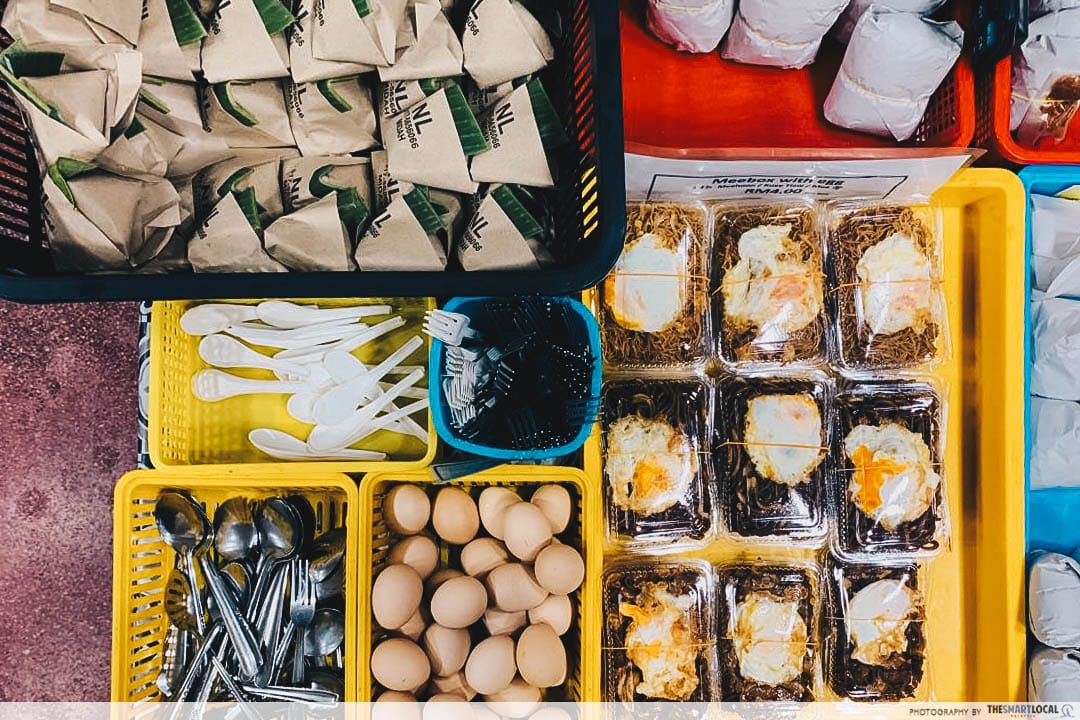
(431, 142)
(1054, 600)
(397, 96)
(405, 236)
(1046, 78)
(503, 41)
(855, 9)
(340, 32)
(256, 169)
(1053, 675)
(248, 114)
(311, 239)
(39, 21)
(79, 97)
(780, 33)
(332, 117)
(171, 46)
(436, 51)
(520, 129)
(1055, 370)
(1055, 443)
(243, 44)
(1055, 240)
(893, 64)
(304, 180)
(100, 221)
(227, 242)
(481, 99)
(502, 234)
(695, 26)
(304, 66)
(1038, 8)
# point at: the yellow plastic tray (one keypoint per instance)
(142, 562)
(976, 631)
(185, 431)
(583, 681)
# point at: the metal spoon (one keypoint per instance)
(180, 524)
(326, 554)
(325, 634)
(235, 534)
(280, 537)
(238, 579)
(308, 522)
(331, 587)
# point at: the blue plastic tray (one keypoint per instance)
(1053, 514)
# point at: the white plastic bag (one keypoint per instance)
(695, 26)
(780, 33)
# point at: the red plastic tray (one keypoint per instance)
(673, 99)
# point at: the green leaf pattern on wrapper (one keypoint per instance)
(65, 169)
(430, 86)
(17, 62)
(187, 27)
(148, 97)
(551, 130)
(276, 17)
(230, 183)
(223, 92)
(352, 210)
(135, 129)
(326, 89)
(468, 130)
(362, 7)
(423, 211)
(249, 206)
(511, 199)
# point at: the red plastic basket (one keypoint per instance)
(995, 101)
(674, 99)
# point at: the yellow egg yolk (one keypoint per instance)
(871, 475)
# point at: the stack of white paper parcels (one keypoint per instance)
(1054, 619)
(248, 135)
(1055, 374)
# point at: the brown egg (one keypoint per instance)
(437, 578)
(513, 588)
(517, 700)
(550, 713)
(408, 709)
(493, 503)
(414, 626)
(453, 684)
(556, 611)
(395, 596)
(491, 664)
(418, 552)
(559, 569)
(406, 509)
(447, 648)
(541, 657)
(459, 602)
(481, 555)
(498, 622)
(527, 530)
(455, 516)
(447, 706)
(555, 502)
(400, 664)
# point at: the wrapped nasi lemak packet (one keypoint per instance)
(1055, 369)
(1055, 240)
(502, 41)
(695, 26)
(780, 33)
(398, 96)
(173, 255)
(405, 236)
(481, 99)
(1055, 443)
(893, 64)
(259, 170)
(171, 39)
(1038, 8)
(1053, 675)
(248, 114)
(77, 97)
(359, 31)
(39, 21)
(320, 235)
(1054, 600)
(850, 17)
(332, 117)
(504, 233)
(447, 205)
(305, 180)
(436, 51)
(304, 66)
(100, 221)
(227, 239)
(521, 129)
(1046, 78)
(246, 41)
(431, 142)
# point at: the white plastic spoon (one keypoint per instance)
(344, 366)
(214, 317)
(228, 352)
(301, 406)
(298, 338)
(337, 404)
(283, 446)
(328, 437)
(315, 354)
(282, 314)
(359, 431)
(214, 385)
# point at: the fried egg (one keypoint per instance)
(895, 288)
(783, 437)
(770, 639)
(894, 480)
(661, 643)
(878, 619)
(777, 295)
(650, 464)
(647, 290)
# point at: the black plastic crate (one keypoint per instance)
(588, 205)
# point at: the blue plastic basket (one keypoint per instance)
(440, 412)
(1053, 514)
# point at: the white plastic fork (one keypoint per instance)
(451, 328)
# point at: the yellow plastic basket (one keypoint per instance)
(585, 531)
(185, 431)
(142, 562)
(976, 632)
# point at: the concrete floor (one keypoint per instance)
(68, 376)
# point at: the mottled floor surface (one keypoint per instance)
(68, 412)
